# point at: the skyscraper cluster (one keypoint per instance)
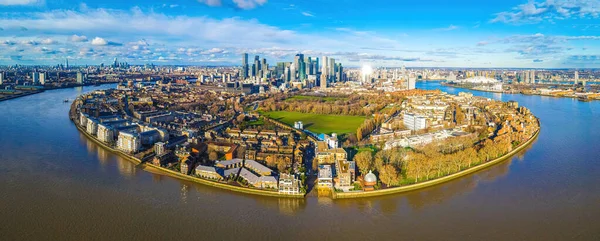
(304, 69)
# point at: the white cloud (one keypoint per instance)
(19, 2)
(212, 3)
(308, 14)
(449, 28)
(549, 10)
(249, 4)
(99, 41)
(48, 41)
(77, 38)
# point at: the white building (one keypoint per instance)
(415, 122)
(92, 126)
(411, 83)
(80, 78)
(325, 176)
(42, 77)
(129, 142)
(105, 133)
(288, 184)
(298, 125)
(1, 78)
(35, 76)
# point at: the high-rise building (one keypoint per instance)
(323, 80)
(256, 65)
(532, 77)
(42, 77)
(245, 65)
(576, 79)
(1, 78)
(293, 72)
(35, 77)
(80, 78)
(331, 66)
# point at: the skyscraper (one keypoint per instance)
(532, 77)
(80, 78)
(576, 76)
(35, 77)
(331, 66)
(256, 65)
(323, 80)
(1, 78)
(245, 65)
(42, 77)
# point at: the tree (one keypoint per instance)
(213, 155)
(281, 166)
(389, 175)
(364, 161)
(240, 118)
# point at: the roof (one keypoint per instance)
(259, 167)
(370, 177)
(228, 172)
(268, 179)
(249, 176)
(205, 169)
(325, 171)
(230, 162)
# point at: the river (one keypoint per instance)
(57, 185)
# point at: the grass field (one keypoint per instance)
(319, 123)
(308, 97)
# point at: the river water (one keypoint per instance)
(57, 185)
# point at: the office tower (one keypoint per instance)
(67, 63)
(1, 78)
(309, 66)
(532, 77)
(286, 74)
(325, 63)
(316, 68)
(116, 63)
(256, 65)
(576, 76)
(80, 78)
(42, 77)
(264, 65)
(340, 72)
(245, 65)
(293, 72)
(331, 66)
(35, 76)
(302, 70)
(323, 80)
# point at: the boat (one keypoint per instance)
(66, 100)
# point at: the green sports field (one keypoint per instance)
(317, 123)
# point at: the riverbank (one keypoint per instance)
(527, 93)
(167, 172)
(21, 95)
(437, 181)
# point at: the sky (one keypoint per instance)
(381, 33)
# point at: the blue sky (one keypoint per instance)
(425, 33)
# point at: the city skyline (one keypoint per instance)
(524, 34)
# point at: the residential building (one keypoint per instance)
(325, 176)
(289, 184)
(129, 142)
(415, 122)
(208, 172)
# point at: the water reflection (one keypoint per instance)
(184, 192)
(436, 195)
